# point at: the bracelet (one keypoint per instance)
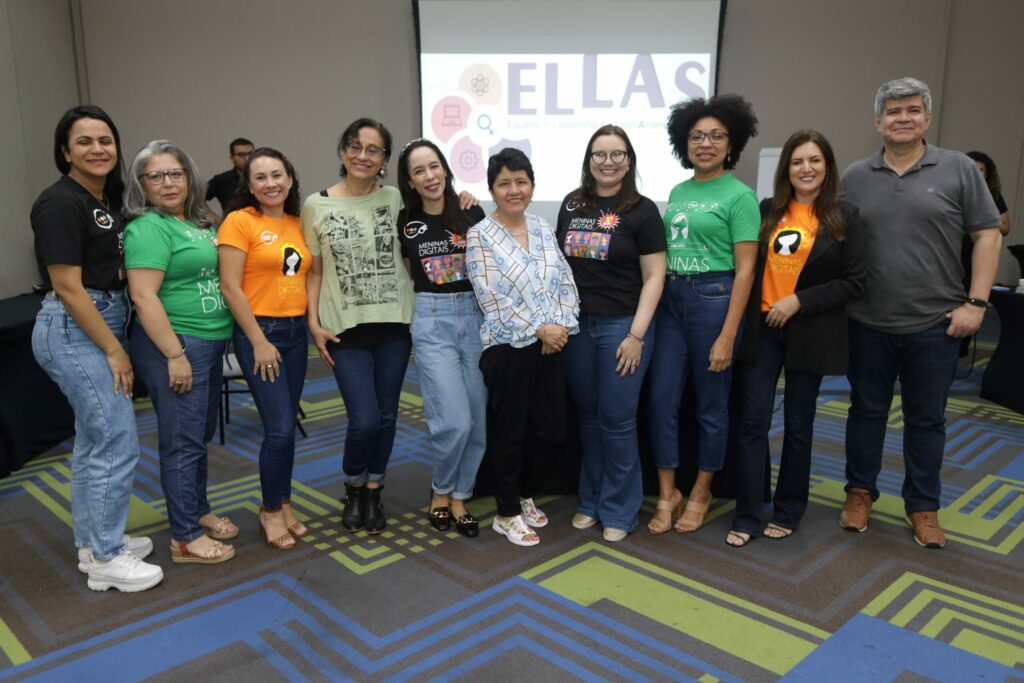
(980, 303)
(178, 356)
(630, 334)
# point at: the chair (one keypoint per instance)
(233, 373)
(1018, 251)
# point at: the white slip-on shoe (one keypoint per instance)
(125, 572)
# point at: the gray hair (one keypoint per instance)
(135, 203)
(900, 89)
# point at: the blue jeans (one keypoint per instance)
(446, 336)
(800, 404)
(277, 401)
(106, 442)
(925, 363)
(185, 424)
(690, 318)
(370, 380)
(610, 485)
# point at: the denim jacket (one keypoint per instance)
(520, 290)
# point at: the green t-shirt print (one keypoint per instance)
(704, 220)
(190, 292)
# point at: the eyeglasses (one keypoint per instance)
(716, 136)
(372, 151)
(617, 156)
(157, 177)
(241, 155)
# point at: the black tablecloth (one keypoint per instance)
(1003, 381)
(34, 414)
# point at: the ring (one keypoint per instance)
(177, 381)
(269, 366)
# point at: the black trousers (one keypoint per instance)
(526, 418)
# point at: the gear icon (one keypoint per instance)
(468, 160)
(480, 84)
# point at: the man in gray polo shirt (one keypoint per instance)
(916, 202)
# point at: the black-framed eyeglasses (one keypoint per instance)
(157, 177)
(616, 155)
(716, 136)
(372, 151)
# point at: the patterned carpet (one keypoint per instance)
(414, 604)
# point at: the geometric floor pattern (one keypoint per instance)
(416, 605)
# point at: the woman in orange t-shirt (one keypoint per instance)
(263, 266)
(810, 265)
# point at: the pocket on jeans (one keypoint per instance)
(720, 289)
(266, 325)
(41, 340)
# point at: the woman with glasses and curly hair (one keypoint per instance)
(179, 339)
(263, 265)
(711, 224)
(360, 306)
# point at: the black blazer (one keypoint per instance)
(833, 276)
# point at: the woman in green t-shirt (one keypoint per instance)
(178, 342)
(711, 225)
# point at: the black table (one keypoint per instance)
(34, 414)
(1003, 381)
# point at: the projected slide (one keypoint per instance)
(549, 105)
(576, 66)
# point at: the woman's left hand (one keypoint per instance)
(466, 200)
(628, 354)
(782, 310)
(721, 354)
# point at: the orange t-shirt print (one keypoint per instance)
(790, 243)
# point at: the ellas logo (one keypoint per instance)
(268, 237)
(102, 219)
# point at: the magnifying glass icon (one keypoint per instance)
(483, 122)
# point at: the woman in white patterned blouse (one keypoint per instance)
(530, 305)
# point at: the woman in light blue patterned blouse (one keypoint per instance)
(531, 306)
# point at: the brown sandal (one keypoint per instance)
(215, 555)
(695, 520)
(283, 542)
(298, 530)
(673, 507)
(222, 530)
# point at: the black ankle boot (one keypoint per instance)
(375, 521)
(354, 516)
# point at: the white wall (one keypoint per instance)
(38, 79)
(292, 75)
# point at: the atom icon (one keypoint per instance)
(468, 160)
(480, 84)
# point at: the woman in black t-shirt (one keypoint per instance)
(445, 329)
(614, 240)
(79, 338)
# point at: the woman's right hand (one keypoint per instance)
(320, 337)
(121, 368)
(267, 361)
(179, 373)
(554, 336)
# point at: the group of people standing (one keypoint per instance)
(505, 313)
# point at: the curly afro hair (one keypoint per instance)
(732, 110)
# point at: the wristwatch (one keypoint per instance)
(980, 303)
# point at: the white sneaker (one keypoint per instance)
(125, 572)
(139, 546)
(532, 514)
(515, 530)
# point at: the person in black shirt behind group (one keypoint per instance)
(445, 329)
(614, 240)
(224, 186)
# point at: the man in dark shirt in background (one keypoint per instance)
(223, 186)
